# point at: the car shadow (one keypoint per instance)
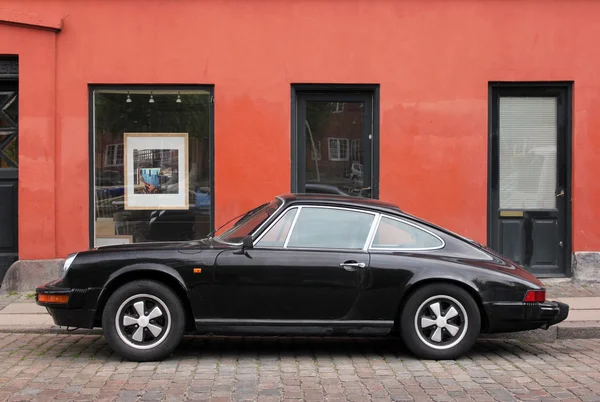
(221, 347)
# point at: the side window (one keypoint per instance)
(276, 235)
(395, 234)
(331, 228)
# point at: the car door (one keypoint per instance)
(308, 265)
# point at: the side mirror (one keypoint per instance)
(247, 242)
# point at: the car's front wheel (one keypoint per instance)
(440, 321)
(143, 321)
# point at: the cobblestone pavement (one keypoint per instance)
(79, 367)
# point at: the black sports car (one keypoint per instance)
(302, 264)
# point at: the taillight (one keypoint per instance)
(535, 296)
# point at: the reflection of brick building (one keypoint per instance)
(337, 140)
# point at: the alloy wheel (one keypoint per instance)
(143, 321)
(441, 322)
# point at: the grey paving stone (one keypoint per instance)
(232, 369)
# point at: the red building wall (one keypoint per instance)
(432, 59)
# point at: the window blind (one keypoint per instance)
(527, 132)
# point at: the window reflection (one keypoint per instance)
(158, 111)
(334, 148)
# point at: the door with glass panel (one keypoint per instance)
(335, 141)
(529, 177)
(9, 164)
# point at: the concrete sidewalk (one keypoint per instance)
(19, 313)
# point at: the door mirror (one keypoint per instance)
(247, 242)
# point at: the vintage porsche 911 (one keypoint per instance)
(302, 264)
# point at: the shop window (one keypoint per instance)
(151, 166)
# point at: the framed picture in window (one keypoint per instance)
(156, 171)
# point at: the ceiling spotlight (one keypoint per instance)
(151, 98)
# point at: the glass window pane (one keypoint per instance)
(392, 233)
(276, 236)
(528, 138)
(9, 118)
(157, 112)
(334, 148)
(331, 228)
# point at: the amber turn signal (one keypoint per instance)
(535, 296)
(197, 270)
(59, 299)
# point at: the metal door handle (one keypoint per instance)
(561, 193)
(351, 266)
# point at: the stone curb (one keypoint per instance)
(565, 330)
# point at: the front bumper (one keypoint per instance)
(513, 317)
(78, 312)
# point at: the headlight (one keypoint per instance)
(68, 263)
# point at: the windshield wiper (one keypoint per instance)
(241, 217)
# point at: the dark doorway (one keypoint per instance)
(335, 137)
(9, 163)
(530, 175)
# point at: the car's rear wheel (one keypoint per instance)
(440, 321)
(143, 320)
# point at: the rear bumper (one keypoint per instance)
(78, 312)
(513, 317)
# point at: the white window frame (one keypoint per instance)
(339, 149)
(115, 161)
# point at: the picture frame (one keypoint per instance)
(156, 171)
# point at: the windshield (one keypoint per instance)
(250, 222)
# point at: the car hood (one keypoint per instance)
(167, 245)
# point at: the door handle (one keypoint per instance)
(562, 192)
(352, 265)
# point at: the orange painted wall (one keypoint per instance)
(433, 60)
(37, 159)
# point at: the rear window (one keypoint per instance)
(396, 234)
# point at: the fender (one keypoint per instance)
(486, 285)
(423, 277)
(140, 268)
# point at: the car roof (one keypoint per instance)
(380, 206)
(349, 201)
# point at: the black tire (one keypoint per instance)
(418, 326)
(123, 306)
